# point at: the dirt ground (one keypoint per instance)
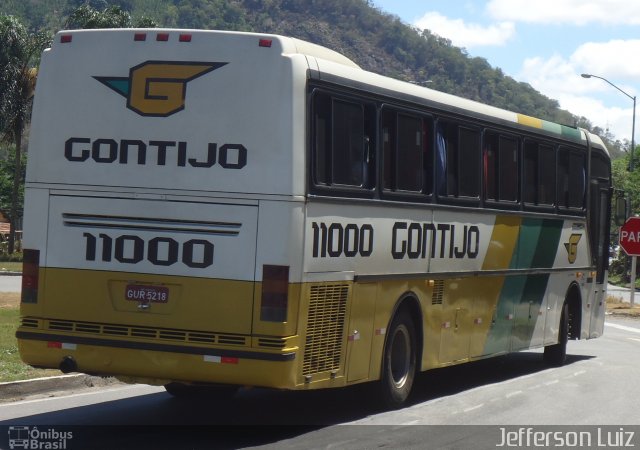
(9, 299)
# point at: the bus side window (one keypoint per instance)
(469, 163)
(427, 151)
(457, 160)
(571, 178)
(509, 165)
(441, 161)
(501, 167)
(405, 152)
(322, 139)
(343, 147)
(547, 175)
(539, 174)
(490, 162)
(348, 143)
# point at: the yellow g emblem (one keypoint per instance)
(572, 247)
(158, 88)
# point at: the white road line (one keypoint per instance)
(411, 422)
(634, 339)
(575, 374)
(623, 327)
(511, 394)
(549, 383)
(474, 407)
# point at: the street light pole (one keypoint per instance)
(633, 124)
(632, 277)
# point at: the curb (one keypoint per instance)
(23, 388)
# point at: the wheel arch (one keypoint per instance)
(409, 301)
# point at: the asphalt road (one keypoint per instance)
(10, 283)
(598, 386)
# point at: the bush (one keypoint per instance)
(14, 257)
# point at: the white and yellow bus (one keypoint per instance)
(232, 209)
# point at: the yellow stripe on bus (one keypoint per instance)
(503, 242)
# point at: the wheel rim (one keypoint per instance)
(400, 363)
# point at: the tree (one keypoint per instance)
(19, 52)
(7, 174)
(111, 17)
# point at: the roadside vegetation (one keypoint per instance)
(11, 367)
(10, 266)
(616, 307)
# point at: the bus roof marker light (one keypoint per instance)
(184, 37)
(162, 37)
(265, 43)
(65, 38)
(140, 37)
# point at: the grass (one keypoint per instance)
(617, 307)
(10, 266)
(11, 367)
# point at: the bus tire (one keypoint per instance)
(183, 390)
(556, 355)
(399, 361)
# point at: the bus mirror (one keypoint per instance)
(621, 208)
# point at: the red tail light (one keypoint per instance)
(30, 269)
(275, 289)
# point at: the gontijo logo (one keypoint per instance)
(158, 88)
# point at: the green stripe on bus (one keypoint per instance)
(522, 295)
(545, 253)
(572, 133)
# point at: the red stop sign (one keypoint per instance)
(629, 236)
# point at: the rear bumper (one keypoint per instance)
(143, 360)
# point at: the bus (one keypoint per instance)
(209, 210)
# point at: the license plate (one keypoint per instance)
(146, 294)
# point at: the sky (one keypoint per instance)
(548, 44)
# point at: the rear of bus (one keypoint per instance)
(162, 214)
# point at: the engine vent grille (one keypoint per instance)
(138, 332)
(278, 343)
(438, 292)
(325, 328)
(30, 323)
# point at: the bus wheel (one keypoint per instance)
(399, 361)
(183, 390)
(556, 355)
